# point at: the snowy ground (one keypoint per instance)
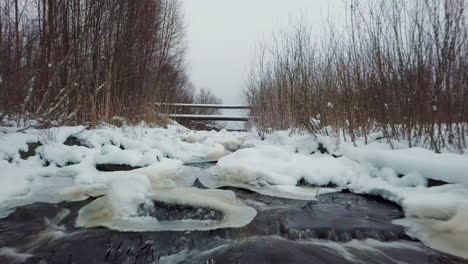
(431, 188)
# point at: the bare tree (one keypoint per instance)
(399, 68)
(80, 61)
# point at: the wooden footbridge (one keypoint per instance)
(206, 117)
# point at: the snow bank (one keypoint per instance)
(436, 215)
(275, 166)
(451, 168)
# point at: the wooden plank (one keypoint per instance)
(215, 106)
(209, 117)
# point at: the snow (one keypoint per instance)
(62, 155)
(60, 134)
(12, 143)
(13, 181)
(162, 174)
(103, 212)
(113, 155)
(127, 192)
(271, 166)
(275, 166)
(450, 168)
(438, 216)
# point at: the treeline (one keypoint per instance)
(399, 67)
(81, 61)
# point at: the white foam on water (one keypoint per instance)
(13, 254)
(369, 247)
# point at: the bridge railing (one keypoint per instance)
(207, 117)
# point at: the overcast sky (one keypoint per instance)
(222, 36)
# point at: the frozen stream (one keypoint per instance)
(338, 228)
(151, 195)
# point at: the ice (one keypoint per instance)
(211, 180)
(62, 155)
(438, 216)
(11, 143)
(127, 203)
(40, 190)
(59, 134)
(275, 166)
(13, 181)
(446, 236)
(113, 155)
(163, 173)
(451, 168)
(299, 143)
(128, 192)
(235, 214)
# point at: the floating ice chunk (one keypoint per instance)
(161, 174)
(447, 236)
(235, 213)
(438, 202)
(102, 212)
(127, 193)
(283, 191)
(438, 217)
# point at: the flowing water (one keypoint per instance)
(338, 228)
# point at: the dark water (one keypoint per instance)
(339, 228)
